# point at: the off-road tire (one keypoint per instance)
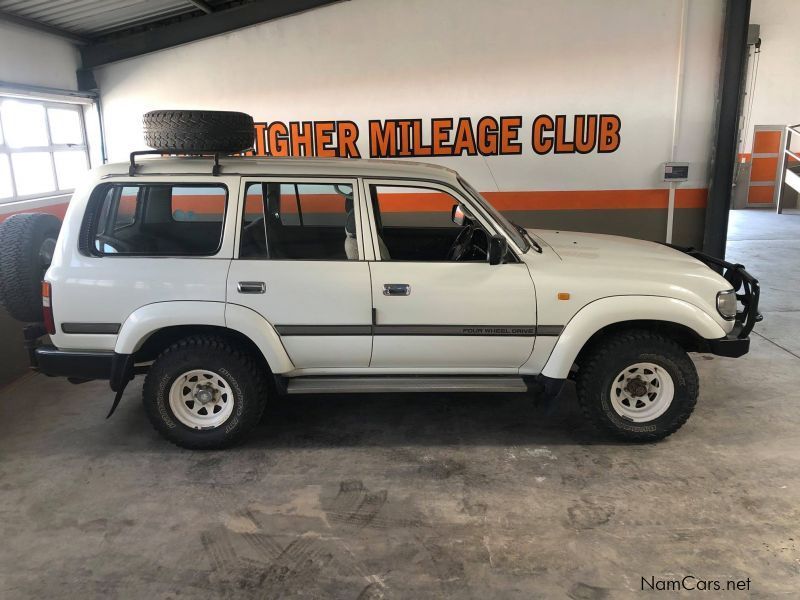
(609, 357)
(245, 376)
(23, 239)
(198, 130)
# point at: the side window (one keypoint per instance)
(299, 221)
(413, 206)
(415, 223)
(158, 220)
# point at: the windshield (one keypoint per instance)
(509, 229)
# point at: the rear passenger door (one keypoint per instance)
(300, 263)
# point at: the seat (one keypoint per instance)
(274, 228)
(351, 242)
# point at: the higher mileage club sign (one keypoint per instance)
(449, 136)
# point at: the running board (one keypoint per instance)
(376, 384)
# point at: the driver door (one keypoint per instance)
(432, 313)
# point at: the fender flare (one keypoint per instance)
(148, 319)
(618, 309)
(250, 323)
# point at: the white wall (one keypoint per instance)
(777, 90)
(377, 59)
(33, 58)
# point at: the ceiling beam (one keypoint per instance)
(36, 25)
(190, 30)
(202, 5)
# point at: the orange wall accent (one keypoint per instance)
(59, 210)
(761, 194)
(597, 199)
(766, 142)
(764, 169)
(504, 201)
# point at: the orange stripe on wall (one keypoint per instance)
(597, 199)
(59, 210)
(504, 201)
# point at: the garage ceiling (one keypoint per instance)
(112, 30)
(90, 19)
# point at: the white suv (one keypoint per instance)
(226, 281)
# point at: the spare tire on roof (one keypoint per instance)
(198, 130)
(27, 243)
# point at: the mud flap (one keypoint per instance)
(122, 372)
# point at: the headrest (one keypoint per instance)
(350, 224)
(348, 204)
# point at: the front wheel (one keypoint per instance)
(204, 393)
(638, 386)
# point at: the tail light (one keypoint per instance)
(47, 308)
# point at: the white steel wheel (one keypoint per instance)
(642, 392)
(201, 399)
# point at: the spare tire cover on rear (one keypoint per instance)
(198, 130)
(27, 242)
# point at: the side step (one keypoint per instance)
(378, 384)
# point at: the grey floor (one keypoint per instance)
(418, 497)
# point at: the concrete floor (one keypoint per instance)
(417, 496)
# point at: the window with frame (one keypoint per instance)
(43, 148)
(157, 219)
(299, 221)
(415, 223)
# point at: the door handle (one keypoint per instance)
(396, 289)
(251, 287)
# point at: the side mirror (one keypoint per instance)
(498, 246)
(458, 215)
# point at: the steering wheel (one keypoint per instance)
(462, 243)
(341, 191)
(116, 244)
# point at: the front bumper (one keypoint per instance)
(748, 293)
(731, 346)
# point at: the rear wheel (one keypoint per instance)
(204, 393)
(638, 386)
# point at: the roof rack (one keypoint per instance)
(198, 153)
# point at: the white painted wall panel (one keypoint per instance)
(377, 59)
(33, 58)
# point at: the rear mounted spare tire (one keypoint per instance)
(27, 242)
(198, 131)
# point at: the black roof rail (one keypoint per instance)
(215, 170)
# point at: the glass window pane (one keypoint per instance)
(322, 205)
(32, 173)
(414, 206)
(70, 168)
(65, 126)
(198, 204)
(161, 220)
(23, 124)
(299, 221)
(6, 191)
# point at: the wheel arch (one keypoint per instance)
(152, 328)
(687, 324)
